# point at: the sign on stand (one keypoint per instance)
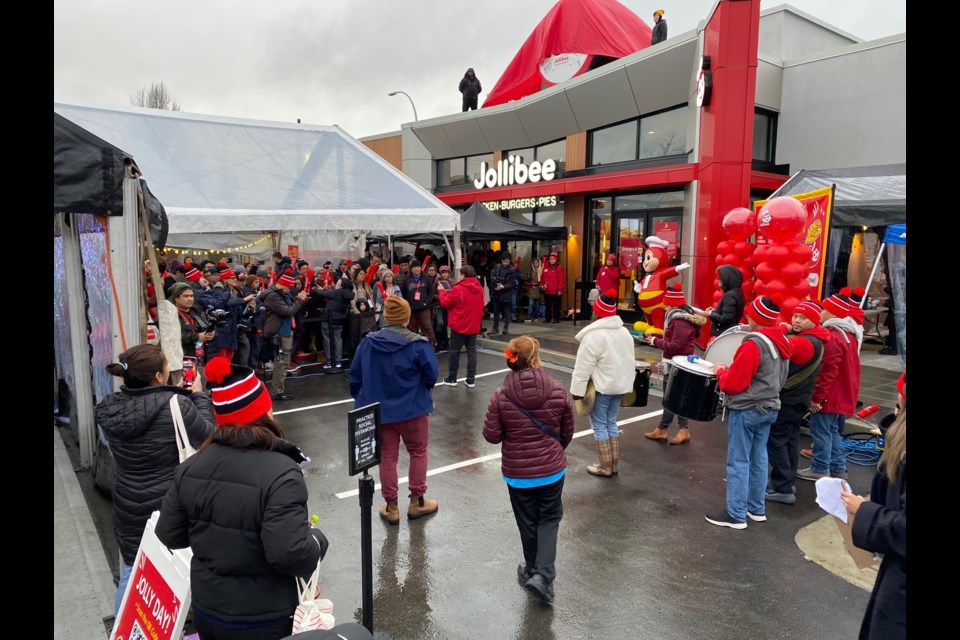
(363, 436)
(157, 598)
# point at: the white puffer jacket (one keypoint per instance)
(606, 354)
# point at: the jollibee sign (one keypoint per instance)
(513, 171)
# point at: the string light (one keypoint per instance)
(239, 249)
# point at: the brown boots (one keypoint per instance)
(683, 435)
(390, 512)
(605, 468)
(657, 434)
(614, 455)
(419, 507)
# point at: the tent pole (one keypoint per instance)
(873, 272)
(390, 249)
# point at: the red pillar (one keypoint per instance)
(726, 133)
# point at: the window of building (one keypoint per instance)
(473, 166)
(663, 134)
(456, 171)
(614, 144)
(556, 151)
(525, 156)
(764, 136)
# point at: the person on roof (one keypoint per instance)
(470, 88)
(659, 32)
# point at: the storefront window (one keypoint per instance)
(764, 127)
(614, 144)
(473, 166)
(550, 217)
(447, 169)
(666, 199)
(525, 155)
(523, 216)
(556, 151)
(664, 134)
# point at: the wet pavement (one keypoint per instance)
(636, 559)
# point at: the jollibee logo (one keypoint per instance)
(765, 219)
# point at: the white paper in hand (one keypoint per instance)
(828, 496)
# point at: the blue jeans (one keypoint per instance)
(603, 416)
(747, 433)
(533, 305)
(125, 571)
(828, 452)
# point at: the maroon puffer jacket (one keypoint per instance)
(528, 452)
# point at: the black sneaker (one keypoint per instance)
(523, 575)
(450, 382)
(757, 517)
(470, 383)
(505, 333)
(281, 397)
(538, 584)
(838, 474)
(775, 496)
(724, 519)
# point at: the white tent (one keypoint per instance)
(316, 185)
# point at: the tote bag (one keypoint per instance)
(184, 447)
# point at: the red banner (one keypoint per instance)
(819, 204)
(293, 250)
(629, 253)
(151, 608)
(667, 231)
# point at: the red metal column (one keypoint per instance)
(726, 133)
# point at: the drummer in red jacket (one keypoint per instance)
(678, 339)
(752, 386)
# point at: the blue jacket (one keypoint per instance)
(396, 368)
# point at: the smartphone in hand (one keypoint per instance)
(189, 370)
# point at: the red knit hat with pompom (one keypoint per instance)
(674, 296)
(606, 304)
(239, 396)
(839, 303)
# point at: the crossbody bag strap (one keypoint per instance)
(547, 430)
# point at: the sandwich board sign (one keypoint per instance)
(157, 598)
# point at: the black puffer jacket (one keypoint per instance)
(729, 308)
(243, 512)
(528, 452)
(139, 429)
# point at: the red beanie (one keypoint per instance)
(228, 273)
(764, 312)
(286, 280)
(810, 309)
(839, 303)
(192, 275)
(239, 396)
(606, 304)
(674, 297)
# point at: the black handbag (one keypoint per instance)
(641, 389)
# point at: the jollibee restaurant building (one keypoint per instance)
(667, 140)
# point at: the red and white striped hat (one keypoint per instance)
(839, 303)
(227, 273)
(239, 396)
(810, 309)
(674, 296)
(192, 275)
(764, 312)
(286, 280)
(606, 304)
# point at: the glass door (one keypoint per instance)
(630, 234)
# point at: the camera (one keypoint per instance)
(216, 317)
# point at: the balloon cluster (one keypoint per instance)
(782, 265)
(739, 224)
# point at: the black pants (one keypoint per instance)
(469, 103)
(209, 631)
(457, 342)
(505, 309)
(783, 447)
(551, 307)
(538, 511)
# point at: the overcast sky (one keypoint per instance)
(334, 61)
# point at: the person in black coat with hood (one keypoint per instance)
(138, 426)
(881, 526)
(470, 88)
(240, 503)
(729, 308)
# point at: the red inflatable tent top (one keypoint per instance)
(592, 27)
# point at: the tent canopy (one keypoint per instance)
(227, 175)
(593, 27)
(479, 223)
(866, 196)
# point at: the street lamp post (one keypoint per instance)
(393, 93)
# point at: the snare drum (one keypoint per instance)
(721, 350)
(691, 390)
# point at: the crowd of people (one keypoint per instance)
(781, 373)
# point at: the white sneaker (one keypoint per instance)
(470, 384)
(450, 382)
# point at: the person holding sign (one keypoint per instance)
(531, 417)
(240, 503)
(398, 368)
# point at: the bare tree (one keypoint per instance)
(157, 96)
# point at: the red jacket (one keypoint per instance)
(838, 382)
(746, 362)
(553, 279)
(608, 278)
(528, 452)
(464, 302)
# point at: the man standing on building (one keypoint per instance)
(279, 309)
(659, 32)
(464, 304)
(835, 393)
(470, 88)
(752, 386)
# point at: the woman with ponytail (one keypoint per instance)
(139, 430)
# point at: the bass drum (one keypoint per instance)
(691, 390)
(721, 350)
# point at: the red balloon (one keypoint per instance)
(740, 223)
(765, 272)
(730, 258)
(743, 249)
(776, 290)
(778, 256)
(719, 259)
(787, 306)
(801, 252)
(747, 288)
(724, 246)
(747, 262)
(782, 219)
(759, 288)
(746, 272)
(793, 273)
(803, 289)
